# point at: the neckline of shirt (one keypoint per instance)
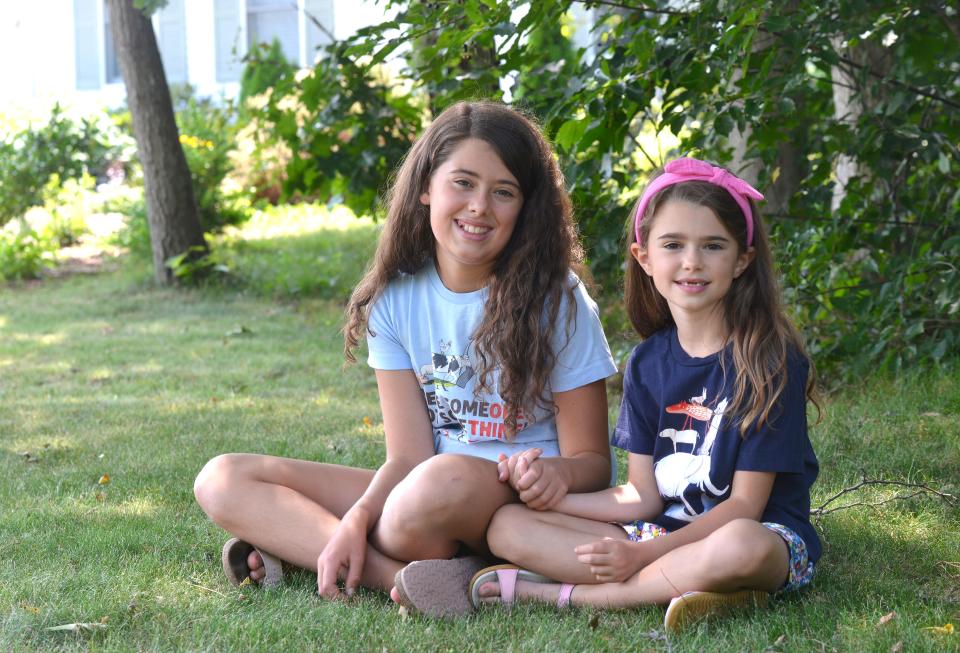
(453, 297)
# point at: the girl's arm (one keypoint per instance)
(636, 499)
(584, 461)
(617, 560)
(409, 441)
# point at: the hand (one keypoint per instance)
(612, 561)
(510, 469)
(343, 557)
(538, 481)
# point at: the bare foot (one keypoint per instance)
(525, 591)
(255, 563)
(394, 595)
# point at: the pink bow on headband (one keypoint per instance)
(682, 170)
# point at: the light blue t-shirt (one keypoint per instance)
(419, 324)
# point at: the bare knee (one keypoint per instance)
(445, 500)
(436, 491)
(215, 482)
(739, 552)
(505, 533)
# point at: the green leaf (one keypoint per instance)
(570, 133)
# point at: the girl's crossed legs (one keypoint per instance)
(291, 508)
(742, 554)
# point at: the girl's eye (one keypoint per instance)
(505, 193)
(464, 183)
(714, 247)
(669, 245)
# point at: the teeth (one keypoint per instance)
(471, 229)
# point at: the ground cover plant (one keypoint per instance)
(113, 393)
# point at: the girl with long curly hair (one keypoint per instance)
(485, 345)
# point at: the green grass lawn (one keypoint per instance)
(104, 375)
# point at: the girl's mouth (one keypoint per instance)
(473, 229)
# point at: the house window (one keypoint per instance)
(275, 19)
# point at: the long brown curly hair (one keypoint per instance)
(530, 277)
(762, 335)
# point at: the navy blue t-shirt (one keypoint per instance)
(673, 409)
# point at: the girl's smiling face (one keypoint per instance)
(693, 260)
(474, 203)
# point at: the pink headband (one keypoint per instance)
(682, 170)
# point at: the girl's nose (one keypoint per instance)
(478, 203)
(691, 258)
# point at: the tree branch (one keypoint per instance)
(645, 8)
(920, 488)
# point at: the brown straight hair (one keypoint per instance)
(530, 277)
(762, 336)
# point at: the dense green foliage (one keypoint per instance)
(63, 146)
(873, 280)
(264, 66)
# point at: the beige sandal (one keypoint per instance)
(234, 557)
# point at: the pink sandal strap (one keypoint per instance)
(507, 579)
(563, 601)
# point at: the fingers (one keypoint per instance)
(503, 468)
(327, 579)
(354, 571)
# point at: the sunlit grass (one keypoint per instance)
(107, 375)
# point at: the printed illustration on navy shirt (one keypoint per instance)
(683, 477)
(455, 411)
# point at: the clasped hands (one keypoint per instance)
(541, 486)
(539, 482)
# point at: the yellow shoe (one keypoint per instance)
(694, 606)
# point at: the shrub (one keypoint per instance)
(21, 252)
(64, 147)
(207, 132)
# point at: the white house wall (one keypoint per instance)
(39, 45)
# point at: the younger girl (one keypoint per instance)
(484, 344)
(716, 510)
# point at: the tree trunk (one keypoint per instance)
(171, 205)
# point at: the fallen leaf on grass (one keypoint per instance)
(897, 648)
(104, 480)
(30, 608)
(88, 626)
(594, 621)
(945, 629)
(367, 421)
(246, 581)
(887, 618)
(239, 331)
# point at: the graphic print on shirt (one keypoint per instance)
(683, 477)
(455, 411)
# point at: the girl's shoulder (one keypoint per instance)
(654, 348)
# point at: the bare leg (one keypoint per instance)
(446, 501)
(287, 507)
(740, 555)
(544, 542)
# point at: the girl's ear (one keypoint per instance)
(425, 198)
(744, 261)
(642, 257)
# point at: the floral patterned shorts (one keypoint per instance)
(801, 569)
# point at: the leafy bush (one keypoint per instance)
(861, 192)
(66, 207)
(21, 252)
(207, 136)
(64, 147)
(265, 67)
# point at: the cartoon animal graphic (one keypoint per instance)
(693, 409)
(686, 436)
(447, 370)
(686, 476)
